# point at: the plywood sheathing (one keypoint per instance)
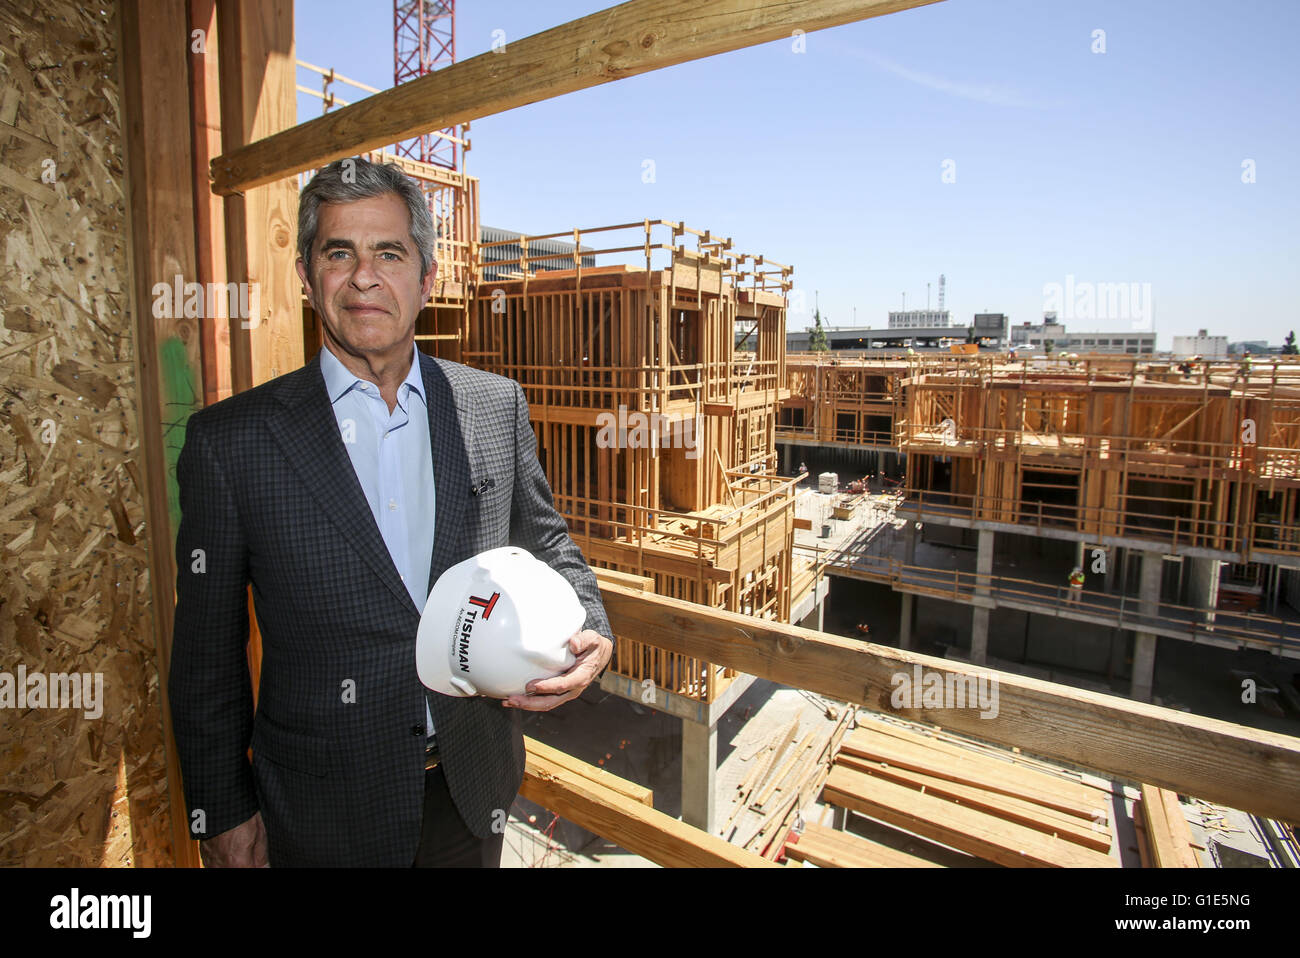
(74, 590)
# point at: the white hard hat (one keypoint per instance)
(495, 622)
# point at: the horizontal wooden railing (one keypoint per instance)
(810, 435)
(649, 237)
(1248, 769)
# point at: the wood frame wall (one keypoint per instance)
(845, 401)
(1178, 460)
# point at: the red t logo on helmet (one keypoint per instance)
(485, 604)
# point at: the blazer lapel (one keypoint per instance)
(451, 432)
(309, 435)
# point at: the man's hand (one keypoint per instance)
(243, 846)
(593, 651)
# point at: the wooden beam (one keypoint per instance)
(256, 54)
(828, 848)
(209, 210)
(637, 793)
(959, 764)
(160, 226)
(1167, 834)
(965, 829)
(629, 580)
(631, 825)
(623, 41)
(1116, 736)
(973, 794)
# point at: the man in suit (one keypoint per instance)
(341, 492)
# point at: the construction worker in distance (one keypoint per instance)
(1076, 584)
(1246, 365)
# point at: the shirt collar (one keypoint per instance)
(339, 380)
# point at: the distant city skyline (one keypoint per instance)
(1020, 148)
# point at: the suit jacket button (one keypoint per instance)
(417, 729)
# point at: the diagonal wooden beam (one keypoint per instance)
(585, 801)
(1253, 770)
(623, 41)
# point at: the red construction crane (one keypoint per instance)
(424, 39)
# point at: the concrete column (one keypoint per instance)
(984, 558)
(1144, 643)
(699, 773)
(979, 636)
(1203, 587)
(1144, 666)
(910, 536)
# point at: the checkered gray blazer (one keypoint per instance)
(269, 497)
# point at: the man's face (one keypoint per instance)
(364, 277)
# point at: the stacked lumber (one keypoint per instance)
(784, 777)
(1001, 808)
(1167, 838)
(829, 848)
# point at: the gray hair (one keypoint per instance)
(355, 178)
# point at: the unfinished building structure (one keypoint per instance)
(847, 404)
(1133, 470)
(1172, 488)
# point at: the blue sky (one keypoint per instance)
(1115, 167)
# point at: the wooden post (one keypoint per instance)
(156, 109)
(209, 209)
(257, 100)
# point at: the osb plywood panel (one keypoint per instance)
(76, 787)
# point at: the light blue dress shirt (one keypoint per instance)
(391, 456)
